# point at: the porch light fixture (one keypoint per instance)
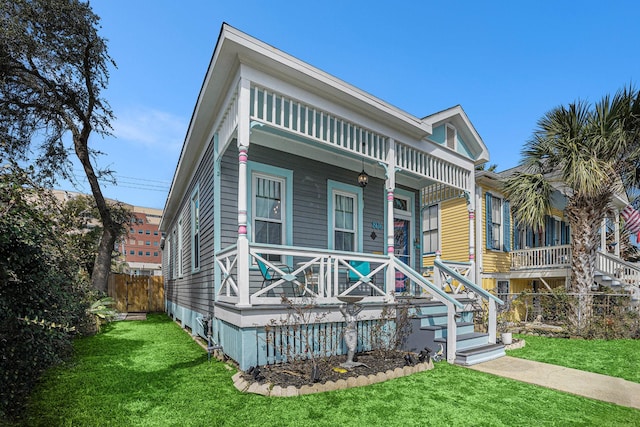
(363, 178)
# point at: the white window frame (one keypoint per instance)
(169, 259)
(179, 248)
(286, 202)
(354, 230)
(283, 203)
(502, 282)
(196, 237)
(338, 188)
(499, 223)
(426, 230)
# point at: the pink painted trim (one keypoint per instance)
(242, 229)
(472, 257)
(389, 249)
(390, 196)
(472, 215)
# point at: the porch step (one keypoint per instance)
(605, 280)
(479, 354)
(466, 341)
(440, 331)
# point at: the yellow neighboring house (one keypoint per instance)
(508, 258)
(513, 258)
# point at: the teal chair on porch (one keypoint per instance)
(364, 268)
(270, 275)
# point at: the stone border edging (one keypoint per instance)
(516, 345)
(268, 389)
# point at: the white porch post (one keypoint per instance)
(477, 196)
(242, 265)
(616, 226)
(471, 207)
(390, 185)
(603, 236)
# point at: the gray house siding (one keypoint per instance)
(191, 294)
(310, 186)
(309, 197)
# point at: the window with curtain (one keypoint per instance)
(344, 224)
(268, 214)
(430, 229)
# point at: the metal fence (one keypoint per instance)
(610, 314)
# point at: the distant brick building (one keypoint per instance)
(141, 246)
(139, 249)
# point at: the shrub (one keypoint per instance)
(42, 296)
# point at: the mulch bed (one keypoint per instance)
(299, 373)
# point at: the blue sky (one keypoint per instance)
(506, 63)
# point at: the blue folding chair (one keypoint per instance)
(270, 275)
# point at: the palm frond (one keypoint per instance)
(530, 196)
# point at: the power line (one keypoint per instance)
(123, 179)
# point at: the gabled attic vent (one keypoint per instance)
(451, 137)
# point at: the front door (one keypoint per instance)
(401, 249)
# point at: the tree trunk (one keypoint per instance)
(585, 219)
(102, 266)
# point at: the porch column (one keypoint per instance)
(242, 264)
(616, 226)
(472, 237)
(390, 185)
(603, 236)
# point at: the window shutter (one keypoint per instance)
(488, 222)
(548, 230)
(506, 224)
(529, 237)
(564, 234)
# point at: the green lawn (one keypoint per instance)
(617, 358)
(151, 373)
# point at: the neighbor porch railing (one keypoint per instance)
(560, 257)
(618, 269)
(539, 258)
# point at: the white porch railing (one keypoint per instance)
(560, 257)
(453, 277)
(618, 269)
(322, 275)
(539, 258)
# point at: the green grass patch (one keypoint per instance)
(151, 373)
(616, 358)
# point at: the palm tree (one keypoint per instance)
(592, 152)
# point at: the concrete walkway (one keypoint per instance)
(587, 384)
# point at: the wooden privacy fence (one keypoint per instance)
(137, 293)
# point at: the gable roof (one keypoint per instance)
(459, 119)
